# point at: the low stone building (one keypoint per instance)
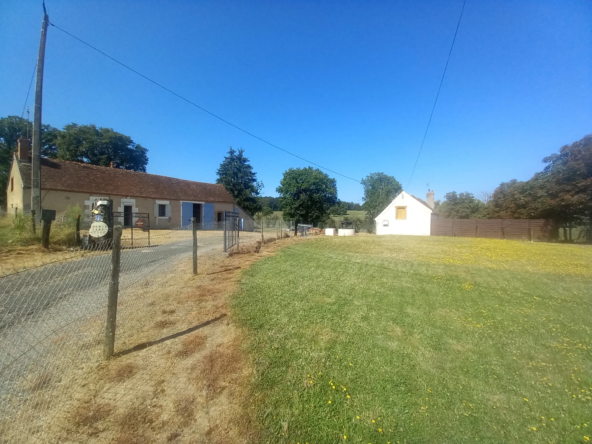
(169, 202)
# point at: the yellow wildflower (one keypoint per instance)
(526, 399)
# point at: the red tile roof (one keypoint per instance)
(62, 175)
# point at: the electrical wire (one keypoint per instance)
(29, 90)
(200, 107)
(438, 94)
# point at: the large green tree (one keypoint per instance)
(238, 177)
(379, 190)
(307, 195)
(100, 146)
(461, 206)
(562, 192)
(13, 128)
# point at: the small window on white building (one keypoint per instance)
(385, 223)
(162, 210)
(401, 213)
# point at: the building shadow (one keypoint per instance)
(145, 345)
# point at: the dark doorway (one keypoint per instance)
(197, 212)
(127, 216)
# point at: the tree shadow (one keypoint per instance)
(145, 345)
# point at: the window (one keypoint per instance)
(401, 213)
(220, 216)
(385, 223)
(162, 210)
(12, 184)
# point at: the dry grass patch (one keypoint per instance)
(87, 414)
(120, 372)
(181, 374)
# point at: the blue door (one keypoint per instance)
(208, 214)
(186, 214)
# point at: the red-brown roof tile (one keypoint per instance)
(62, 175)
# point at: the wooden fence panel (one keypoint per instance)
(516, 229)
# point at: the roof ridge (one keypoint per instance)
(124, 170)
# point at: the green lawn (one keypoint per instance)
(377, 339)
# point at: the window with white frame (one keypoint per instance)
(162, 209)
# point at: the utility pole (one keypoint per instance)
(36, 155)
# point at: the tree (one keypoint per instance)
(13, 128)
(485, 196)
(339, 209)
(353, 206)
(239, 179)
(100, 146)
(461, 206)
(266, 211)
(271, 202)
(562, 192)
(379, 190)
(307, 194)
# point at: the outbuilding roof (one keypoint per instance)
(421, 201)
(63, 175)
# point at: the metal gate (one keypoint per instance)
(231, 221)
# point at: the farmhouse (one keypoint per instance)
(169, 202)
(406, 214)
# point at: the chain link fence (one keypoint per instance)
(53, 313)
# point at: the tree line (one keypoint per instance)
(561, 193)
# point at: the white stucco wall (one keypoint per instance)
(418, 217)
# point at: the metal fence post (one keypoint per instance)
(224, 222)
(194, 227)
(109, 345)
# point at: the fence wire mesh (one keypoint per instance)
(52, 321)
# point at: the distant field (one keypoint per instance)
(376, 339)
(351, 214)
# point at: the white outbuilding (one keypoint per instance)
(406, 214)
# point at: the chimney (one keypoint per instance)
(430, 199)
(24, 149)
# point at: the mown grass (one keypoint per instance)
(421, 339)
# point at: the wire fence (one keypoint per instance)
(52, 323)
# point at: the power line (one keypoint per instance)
(199, 107)
(438, 94)
(29, 90)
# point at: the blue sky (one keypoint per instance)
(348, 85)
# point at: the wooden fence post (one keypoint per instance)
(109, 344)
(194, 227)
(477, 229)
(33, 226)
(45, 233)
(78, 229)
